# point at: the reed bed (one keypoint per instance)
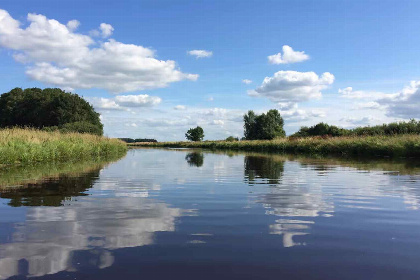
(383, 146)
(30, 145)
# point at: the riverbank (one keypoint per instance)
(30, 146)
(382, 146)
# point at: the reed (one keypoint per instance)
(384, 146)
(19, 145)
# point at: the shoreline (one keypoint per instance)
(407, 146)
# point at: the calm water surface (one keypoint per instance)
(183, 214)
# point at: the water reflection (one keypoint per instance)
(195, 159)
(263, 169)
(51, 238)
(51, 192)
(287, 197)
(266, 207)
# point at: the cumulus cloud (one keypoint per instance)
(359, 121)
(348, 92)
(106, 30)
(402, 104)
(123, 102)
(246, 81)
(292, 86)
(58, 56)
(180, 107)
(73, 24)
(200, 53)
(288, 56)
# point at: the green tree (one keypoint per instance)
(48, 108)
(265, 126)
(195, 134)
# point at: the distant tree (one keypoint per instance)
(195, 134)
(50, 107)
(250, 132)
(264, 127)
(232, 139)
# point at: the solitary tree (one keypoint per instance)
(265, 126)
(195, 134)
(50, 108)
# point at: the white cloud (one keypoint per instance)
(211, 98)
(180, 107)
(348, 92)
(73, 24)
(288, 56)
(218, 122)
(106, 30)
(246, 81)
(60, 57)
(293, 86)
(402, 104)
(359, 121)
(368, 105)
(141, 100)
(123, 102)
(200, 53)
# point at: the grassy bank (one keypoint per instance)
(391, 146)
(30, 145)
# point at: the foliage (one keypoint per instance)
(396, 128)
(50, 107)
(321, 129)
(195, 134)
(232, 139)
(263, 127)
(30, 145)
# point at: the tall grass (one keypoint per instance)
(29, 145)
(391, 146)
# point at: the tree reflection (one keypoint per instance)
(195, 159)
(266, 168)
(51, 192)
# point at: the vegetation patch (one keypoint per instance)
(30, 145)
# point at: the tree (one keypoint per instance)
(195, 134)
(232, 139)
(50, 108)
(265, 126)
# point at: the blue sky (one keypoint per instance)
(155, 88)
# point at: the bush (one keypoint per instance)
(321, 129)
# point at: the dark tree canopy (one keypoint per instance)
(263, 127)
(195, 134)
(48, 108)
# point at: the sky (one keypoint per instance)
(154, 69)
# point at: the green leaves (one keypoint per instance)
(195, 134)
(263, 127)
(50, 107)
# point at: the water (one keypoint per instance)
(183, 214)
